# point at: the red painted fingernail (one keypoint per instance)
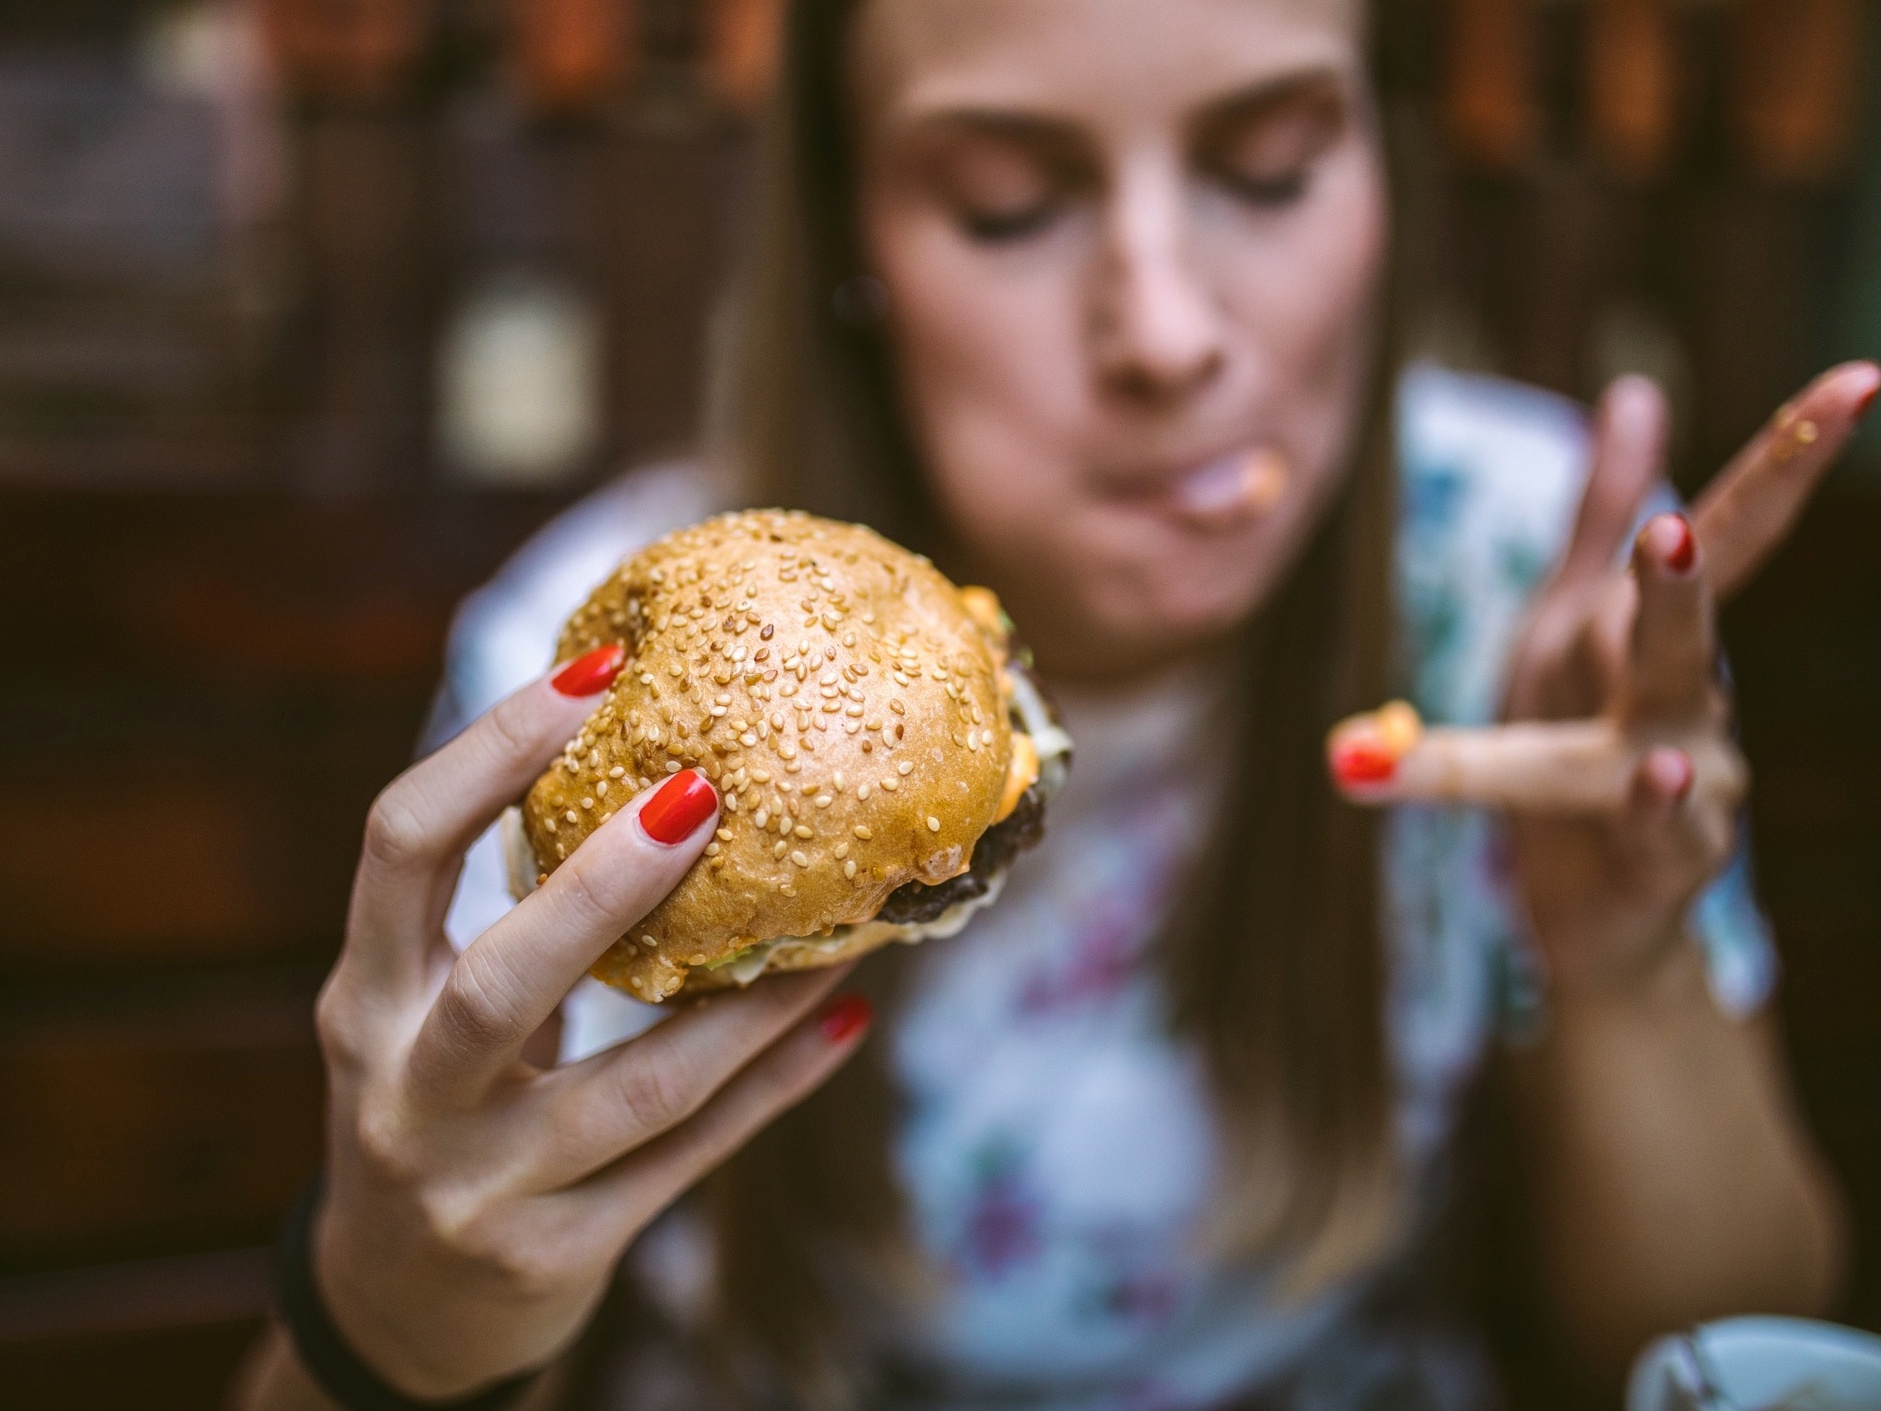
(593, 673)
(1866, 404)
(1683, 554)
(846, 1018)
(1360, 761)
(678, 807)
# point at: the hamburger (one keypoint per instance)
(882, 751)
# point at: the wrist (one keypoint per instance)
(371, 1314)
(350, 1362)
(1667, 974)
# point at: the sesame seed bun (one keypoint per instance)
(854, 710)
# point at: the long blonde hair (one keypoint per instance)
(1274, 971)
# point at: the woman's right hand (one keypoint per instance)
(477, 1204)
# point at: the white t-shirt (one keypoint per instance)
(1056, 1148)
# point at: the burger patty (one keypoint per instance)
(916, 903)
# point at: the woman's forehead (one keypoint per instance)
(1088, 58)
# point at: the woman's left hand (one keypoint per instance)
(1617, 767)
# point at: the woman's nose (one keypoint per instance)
(1156, 328)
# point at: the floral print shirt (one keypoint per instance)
(1057, 1148)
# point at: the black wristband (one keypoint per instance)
(324, 1353)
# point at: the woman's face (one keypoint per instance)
(1130, 248)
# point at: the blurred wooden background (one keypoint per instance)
(310, 312)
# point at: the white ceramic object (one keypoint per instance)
(1760, 1364)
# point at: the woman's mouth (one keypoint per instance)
(1229, 491)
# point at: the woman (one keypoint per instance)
(1087, 300)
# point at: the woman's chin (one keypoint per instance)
(1123, 635)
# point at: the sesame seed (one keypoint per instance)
(712, 849)
(572, 816)
(933, 824)
(781, 848)
(897, 706)
(824, 800)
(587, 803)
(616, 772)
(800, 859)
(842, 850)
(724, 835)
(672, 766)
(864, 832)
(760, 775)
(762, 818)
(803, 832)
(891, 784)
(748, 739)
(767, 631)
(904, 769)
(849, 869)
(973, 742)
(862, 791)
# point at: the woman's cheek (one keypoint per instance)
(990, 370)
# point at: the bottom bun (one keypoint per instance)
(844, 944)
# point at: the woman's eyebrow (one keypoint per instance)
(1052, 135)
(1268, 96)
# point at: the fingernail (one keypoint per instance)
(1368, 748)
(678, 807)
(1678, 773)
(1361, 761)
(846, 1018)
(1675, 542)
(593, 673)
(1866, 404)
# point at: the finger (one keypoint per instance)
(594, 1112)
(420, 826)
(513, 976)
(1672, 644)
(1672, 833)
(1756, 500)
(627, 1195)
(1568, 769)
(1629, 453)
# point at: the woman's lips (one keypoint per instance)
(1229, 491)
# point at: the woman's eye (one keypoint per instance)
(1001, 227)
(1269, 192)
